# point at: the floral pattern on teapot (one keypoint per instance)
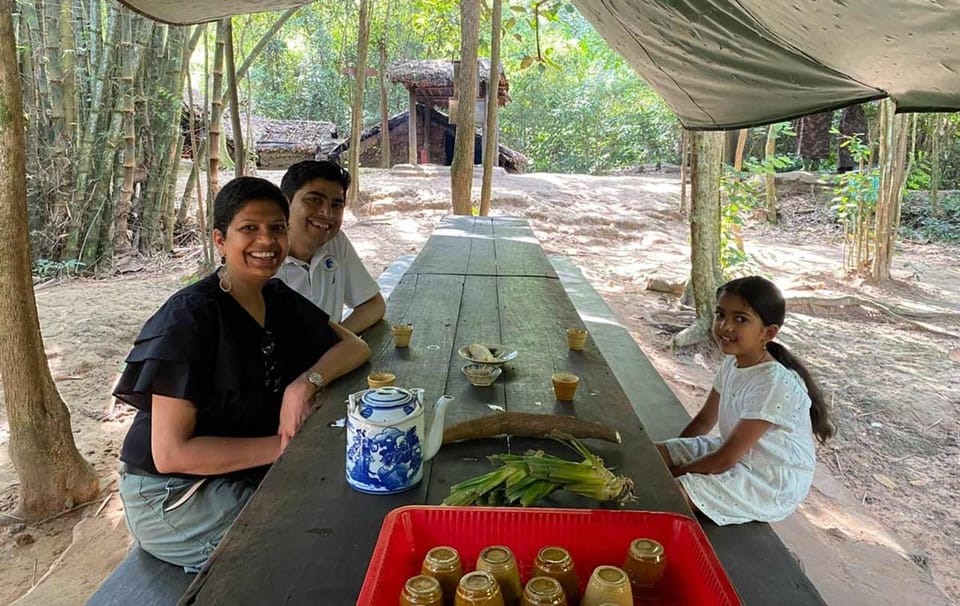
(390, 460)
(388, 438)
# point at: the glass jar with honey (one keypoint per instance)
(608, 584)
(544, 591)
(498, 560)
(556, 563)
(421, 590)
(478, 588)
(443, 563)
(645, 563)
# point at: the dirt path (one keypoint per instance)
(887, 484)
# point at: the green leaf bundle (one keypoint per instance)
(529, 478)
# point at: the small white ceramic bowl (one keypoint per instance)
(481, 375)
(502, 354)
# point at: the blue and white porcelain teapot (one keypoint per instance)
(388, 438)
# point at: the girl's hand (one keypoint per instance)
(296, 407)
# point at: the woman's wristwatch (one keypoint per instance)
(316, 378)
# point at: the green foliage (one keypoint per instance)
(582, 109)
(917, 222)
(856, 191)
(739, 194)
(919, 176)
(47, 268)
(742, 191)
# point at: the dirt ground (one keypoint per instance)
(881, 525)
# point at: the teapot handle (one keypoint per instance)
(352, 400)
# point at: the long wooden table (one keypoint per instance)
(306, 537)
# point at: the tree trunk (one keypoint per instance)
(814, 139)
(935, 171)
(385, 160)
(208, 260)
(770, 180)
(490, 151)
(356, 114)
(188, 189)
(239, 154)
(705, 166)
(741, 145)
(216, 113)
(53, 475)
(894, 136)
(68, 69)
(461, 171)
(130, 49)
(412, 126)
(684, 170)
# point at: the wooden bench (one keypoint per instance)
(761, 567)
(143, 580)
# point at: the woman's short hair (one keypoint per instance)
(235, 194)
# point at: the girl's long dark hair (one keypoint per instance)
(765, 298)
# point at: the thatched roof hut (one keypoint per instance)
(433, 80)
(280, 143)
(440, 149)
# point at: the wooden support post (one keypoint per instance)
(412, 127)
(426, 130)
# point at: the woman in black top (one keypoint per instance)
(223, 375)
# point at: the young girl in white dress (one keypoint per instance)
(768, 408)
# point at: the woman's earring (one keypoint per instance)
(225, 284)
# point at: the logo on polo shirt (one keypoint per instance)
(329, 263)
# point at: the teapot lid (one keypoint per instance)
(387, 397)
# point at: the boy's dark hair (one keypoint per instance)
(765, 298)
(238, 192)
(303, 172)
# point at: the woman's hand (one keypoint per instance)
(296, 407)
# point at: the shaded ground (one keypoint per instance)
(886, 487)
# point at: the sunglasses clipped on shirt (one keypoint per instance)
(271, 374)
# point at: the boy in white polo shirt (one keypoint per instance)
(322, 265)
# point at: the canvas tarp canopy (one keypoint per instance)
(733, 63)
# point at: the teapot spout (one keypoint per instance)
(434, 428)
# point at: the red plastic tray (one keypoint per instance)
(592, 536)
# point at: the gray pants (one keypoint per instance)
(179, 520)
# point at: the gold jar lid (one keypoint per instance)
(611, 574)
(544, 587)
(554, 555)
(646, 549)
(422, 585)
(496, 554)
(478, 581)
(443, 555)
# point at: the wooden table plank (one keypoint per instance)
(483, 251)
(478, 323)
(483, 246)
(444, 251)
(518, 251)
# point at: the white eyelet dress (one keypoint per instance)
(774, 476)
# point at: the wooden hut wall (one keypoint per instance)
(399, 142)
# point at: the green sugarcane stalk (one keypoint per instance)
(531, 477)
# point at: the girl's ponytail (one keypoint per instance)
(820, 420)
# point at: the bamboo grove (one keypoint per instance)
(102, 93)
